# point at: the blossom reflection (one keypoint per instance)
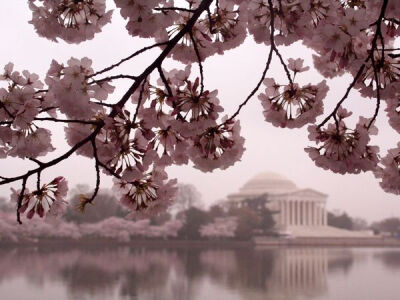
(178, 273)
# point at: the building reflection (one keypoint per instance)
(180, 273)
(390, 258)
(299, 271)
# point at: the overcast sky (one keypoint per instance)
(234, 75)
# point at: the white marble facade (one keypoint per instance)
(295, 207)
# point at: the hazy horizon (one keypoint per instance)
(269, 148)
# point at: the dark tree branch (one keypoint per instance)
(129, 57)
(38, 180)
(35, 160)
(267, 65)
(141, 79)
(103, 104)
(157, 62)
(210, 21)
(175, 9)
(349, 88)
(165, 81)
(140, 99)
(109, 170)
(283, 64)
(196, 50)
(110, 78)
(67, 121)
(370, 57)
(20, 198)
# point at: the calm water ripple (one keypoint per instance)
(199, 273)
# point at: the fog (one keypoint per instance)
(235, 74)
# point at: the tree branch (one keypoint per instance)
(129, 57)
(267, 65)
(140, 80)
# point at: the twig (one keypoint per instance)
(129, 57)
(378, 33)
(349, 88)
(67, 121)
(267, 65)
(283, 64)
(109, 170)
(139, 101)
(20, 198)
(110, 78)
(165, 81)
(196, 50)
(141, 79)
(175, 8)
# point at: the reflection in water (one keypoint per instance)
(300, 271)
(340, 260)
(390, 258)
(179, 274)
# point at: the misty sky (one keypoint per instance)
(234, 75)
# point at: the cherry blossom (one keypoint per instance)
(388, 171)
(73, 21)
(219, 147)
(224, 227)
(343, 150)
(147, 195)
(292, 106)
(146, 18)
(71, 91)
(393, 111)
(48, 199)
(173, 117)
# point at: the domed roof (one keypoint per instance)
(268, 183)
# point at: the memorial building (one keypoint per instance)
(298, 211)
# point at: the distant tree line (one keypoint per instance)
(186, 220)
(106, 218)
(390, 226)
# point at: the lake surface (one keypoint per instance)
(98, 273)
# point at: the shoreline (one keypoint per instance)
(257, 242)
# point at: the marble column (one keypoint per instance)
(308, 213)
(298, 214)
(315, 214)
(292, 213)
(307, 204)
(301, 216)
(294, 217)
(325, 221)
(303, 212)
(287, 215)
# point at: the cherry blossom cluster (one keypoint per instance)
(341, 149)
(47, 199)
(73, 21)
(71, 92)
(223, 227)
(171, 118)
(388, 171)
(290, 105)
(20, 103)
(112, 228)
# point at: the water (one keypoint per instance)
(199, 273)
